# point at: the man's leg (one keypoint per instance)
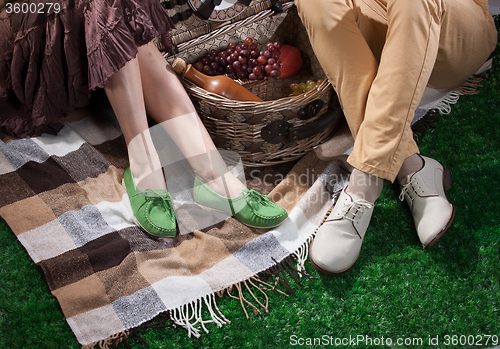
(348, 40)
(467, 38)
(379, 91)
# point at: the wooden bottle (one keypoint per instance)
(220, 84)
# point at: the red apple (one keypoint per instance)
(291, 61)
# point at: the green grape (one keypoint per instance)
(310, 85)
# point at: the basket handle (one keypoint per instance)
(208, 6)
(206, 9)
(281, 131)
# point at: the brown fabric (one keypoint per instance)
(49, 63)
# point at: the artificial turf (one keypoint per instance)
(444, 297)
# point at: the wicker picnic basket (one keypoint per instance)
(282, 128)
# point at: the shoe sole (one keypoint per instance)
(436, 238)
(327, 272)
(248, 225)
(153, 235)
(446, 186)
(251, 226)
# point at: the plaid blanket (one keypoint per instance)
(62, 197)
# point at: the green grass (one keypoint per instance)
(396, 289)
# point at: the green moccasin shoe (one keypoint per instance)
(250, 207)
(152, 209)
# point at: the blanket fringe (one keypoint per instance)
(469, 87)
(190, 315)
(109, 342)
(161, 321)
(292, 266)
(302, 254)
(428, 121)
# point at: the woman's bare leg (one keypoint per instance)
(165, 100)
(124, 91)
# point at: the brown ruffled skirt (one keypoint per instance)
(49, 63)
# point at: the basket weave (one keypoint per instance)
(237, 125)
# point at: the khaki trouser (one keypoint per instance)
(380, 54)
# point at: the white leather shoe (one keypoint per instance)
(338, 241)
(425, 193)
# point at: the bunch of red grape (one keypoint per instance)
(243, 60)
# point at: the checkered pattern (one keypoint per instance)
(62, 197)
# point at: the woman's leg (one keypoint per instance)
(150, 203)
(124, 91)
(168, 104)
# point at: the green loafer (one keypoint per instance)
(250, 207)
(152, 208)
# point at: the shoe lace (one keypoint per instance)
(408, 190)
(354, 211)
(151, 194)
(254, 198)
